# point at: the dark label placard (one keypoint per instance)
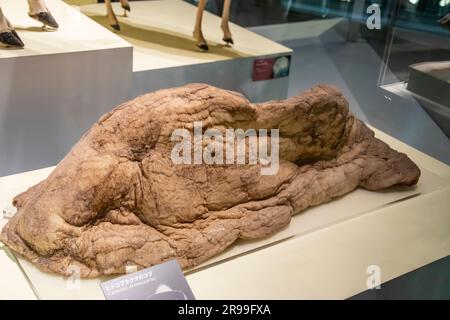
(164, 281)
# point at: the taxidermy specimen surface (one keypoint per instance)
(117, 199)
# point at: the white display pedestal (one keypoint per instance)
(58, 85)
(63, 81)
(324, 253)
(165, 54)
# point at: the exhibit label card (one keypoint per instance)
(164, 281)
(271, 68)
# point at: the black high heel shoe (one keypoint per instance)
(11, 38)
(126, 7)
(46, 18)
(228, 40)
(202, 46)
(116, 27)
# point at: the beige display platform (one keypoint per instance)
(58, 85)
(76, 32)
(165, 53)
(324, 253)
(13, 283)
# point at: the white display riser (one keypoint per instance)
(57, 86)
(165, 53)
(62, 82)
(230, 74)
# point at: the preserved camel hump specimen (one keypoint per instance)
(118, 199)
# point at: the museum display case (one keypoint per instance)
(180, 149)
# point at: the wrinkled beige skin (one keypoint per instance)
(117, 199)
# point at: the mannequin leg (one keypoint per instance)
(39, 12)
(8, 36)
(112, 16)
(4, 25)
(198, 35)
(126, 7)
(227, 37)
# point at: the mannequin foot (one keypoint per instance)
(228, 40)
(11, 38)
(201, 42)
(113, 21)
(126, 7)
(203, 46)
(116, 26)
(227, 37)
